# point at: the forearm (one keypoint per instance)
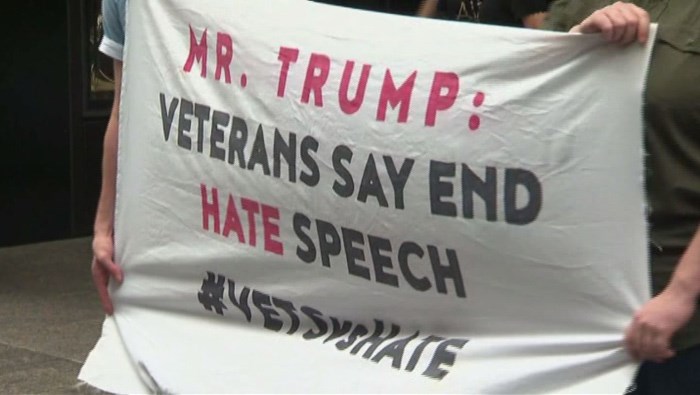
(534, 21)
(428, 8)
(104, 218)
(686, 278)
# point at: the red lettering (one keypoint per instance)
(395, 97)
(233, 221)
(316, 77)
(286, 56)
(439, 101)
(352, 106)
(252, 208)
(224, 55)
(210, 209)
(271, 229)
(198, 52)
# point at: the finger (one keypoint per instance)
(655, 346)
(629, 33)
(646, 347)
(598, 22)
(631, 335)
(607, 27)
(643, 24)
(640, 334)
(619, 23)
(662, 348)
(101, 279)
(111, 267)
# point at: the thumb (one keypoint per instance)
(112, 268)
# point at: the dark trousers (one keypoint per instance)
(679, 375)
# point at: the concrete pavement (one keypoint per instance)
(50, 317)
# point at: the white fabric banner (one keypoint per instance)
(319, 199)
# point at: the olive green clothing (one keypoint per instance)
(672, 129)
(662, 266)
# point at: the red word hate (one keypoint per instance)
(214, 214)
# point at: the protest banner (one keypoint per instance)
(318, 199)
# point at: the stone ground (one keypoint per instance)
(50, 317)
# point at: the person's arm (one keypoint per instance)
(560, 16)
(531, 13)
(428, 8)
(103, 265)
(534, 21)
(649, 335)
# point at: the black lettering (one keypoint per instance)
(407, 249)
(168, 115)
(202, 113)
(376, 339)
(338, 330)
(354, 254)
(342, 153)
(442, 273)
(419, 351)
(486, 189)
(258, 155)
(317, 317)
(263, 303)
(237, 141)
(288, 151)
(242, 301)
(395, 350)
(371, 184)
(398, 179)
(376, 246)
(442, 356)
(184, 124)
(528, 213)
(302, 222)
(288, 308)
(328, 241)
(358, 332)
(219, 119)
(440, 189)
(308, 145)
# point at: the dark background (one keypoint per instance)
(50, 142)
